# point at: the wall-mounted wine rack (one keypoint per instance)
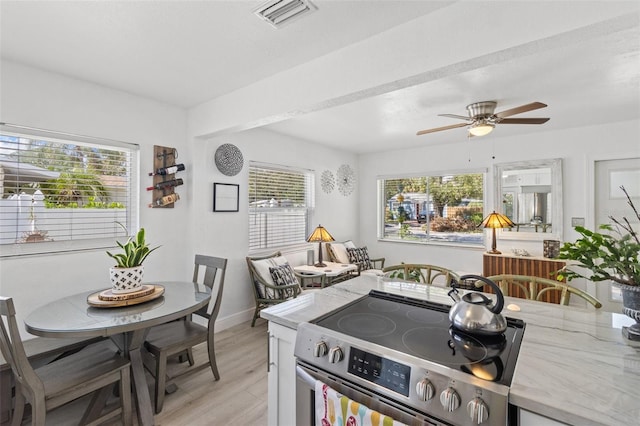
(164, 178)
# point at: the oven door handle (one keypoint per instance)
(306, 377)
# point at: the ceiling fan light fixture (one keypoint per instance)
(481, 128)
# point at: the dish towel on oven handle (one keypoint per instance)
(335, 409)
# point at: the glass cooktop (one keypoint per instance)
(422, 329)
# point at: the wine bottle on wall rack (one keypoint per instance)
(168, 170)
(166, 200)
(166, 184)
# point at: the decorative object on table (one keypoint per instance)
(320, 235)
(310, 256)
(327, 181)
(226, 197)
(228, 159)
(346, 179)
(164, 177)
(520, 252)
(126, 276)
(550, 248)
(109, 299)
(495, 221)
(611, 255)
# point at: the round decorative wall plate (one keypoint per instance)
(327, 181)
(228, 159)
(346, 179)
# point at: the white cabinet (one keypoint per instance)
(281, 378)
(527, 418)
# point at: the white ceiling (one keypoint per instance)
(187, 52)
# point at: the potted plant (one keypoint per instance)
(126, 275)
(611, 255)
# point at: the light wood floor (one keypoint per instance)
(239, 398)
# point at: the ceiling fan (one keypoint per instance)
(482, 119)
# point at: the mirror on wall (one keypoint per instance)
(530, 194)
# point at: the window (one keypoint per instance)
(63, 192)
(442, 208)
(280, 203)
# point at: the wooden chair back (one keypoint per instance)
(13, 349)
(213, 267)
(422, 273)
(535, 288)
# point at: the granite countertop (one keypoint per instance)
(574, 366)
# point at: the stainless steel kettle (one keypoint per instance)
(476, 313)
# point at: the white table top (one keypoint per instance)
(332, 269)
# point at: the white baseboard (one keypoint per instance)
(234, 319)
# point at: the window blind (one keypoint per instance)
(63, 192)
(280, 201)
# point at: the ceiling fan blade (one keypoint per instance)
(437, 129)
(519, 110)
(460, 117)
(523, 121)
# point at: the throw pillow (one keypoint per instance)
(283, 275)
(261, 268)
(360, 256)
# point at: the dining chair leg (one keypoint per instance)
(161, 378)
(190, 357)
(18, 410)
(38, 411)
(212, 357)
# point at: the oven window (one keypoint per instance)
(381, 371)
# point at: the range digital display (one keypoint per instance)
(381, 371)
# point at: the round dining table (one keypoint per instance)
(127, 326)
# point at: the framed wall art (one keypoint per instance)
(226, 197)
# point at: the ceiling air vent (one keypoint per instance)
(281, 12)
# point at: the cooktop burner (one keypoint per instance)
(422, 329)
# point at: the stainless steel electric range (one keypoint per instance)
(399, 356)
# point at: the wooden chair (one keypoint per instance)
(179, 337)
(422, 273)
(64, 380)
(265, 291)
(536, 288)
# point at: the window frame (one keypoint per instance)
(309, 196)
(132, 198)
(381, 207)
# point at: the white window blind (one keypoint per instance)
(64, 192)
(280, 201)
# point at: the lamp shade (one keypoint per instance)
(320, 234)
(496, 220)
(481, 129)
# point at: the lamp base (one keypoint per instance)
(320, 265)
(494, 251)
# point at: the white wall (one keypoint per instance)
(35, 98)
(577, 147)
(226, 234)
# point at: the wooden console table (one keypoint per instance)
(497, 264)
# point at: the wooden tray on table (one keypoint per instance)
(109, 299)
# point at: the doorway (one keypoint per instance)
(611, 201)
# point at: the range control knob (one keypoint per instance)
(450, 399)
(478, 410)
(320, 349)
(425, 389)
(335, 355)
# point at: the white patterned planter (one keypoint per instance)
(126, 280)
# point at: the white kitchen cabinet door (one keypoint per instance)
(281, 378)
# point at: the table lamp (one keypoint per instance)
(320, 234)
(493, 221)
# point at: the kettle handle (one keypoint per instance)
(497, 307)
